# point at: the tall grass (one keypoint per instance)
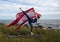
(45, 35)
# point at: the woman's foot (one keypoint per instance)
(32, 33)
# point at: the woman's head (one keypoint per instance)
(38, 16)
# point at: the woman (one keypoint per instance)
(30, 20)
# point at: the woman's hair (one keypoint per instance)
(38, 17)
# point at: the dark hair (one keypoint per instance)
(38, 16)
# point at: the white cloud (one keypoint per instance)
(7, 16)
(8, 6)
(44, 6)
(12, 6)
(41, 6)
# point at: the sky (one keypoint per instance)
(49, 9)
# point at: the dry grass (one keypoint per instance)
(45, 35)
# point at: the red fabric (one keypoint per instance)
(15, 21)
(22, 24)
(19, 17)
(26, 21)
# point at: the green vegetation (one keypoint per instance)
(45, 35)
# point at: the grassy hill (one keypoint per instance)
(44, 35)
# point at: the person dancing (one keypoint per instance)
(30, 20)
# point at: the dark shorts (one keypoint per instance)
(33, 20)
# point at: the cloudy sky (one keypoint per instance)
(49, 9)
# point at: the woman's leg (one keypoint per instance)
(26, 15)
(29, 18)
(31, 28)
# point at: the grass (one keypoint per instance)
(45, 35)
